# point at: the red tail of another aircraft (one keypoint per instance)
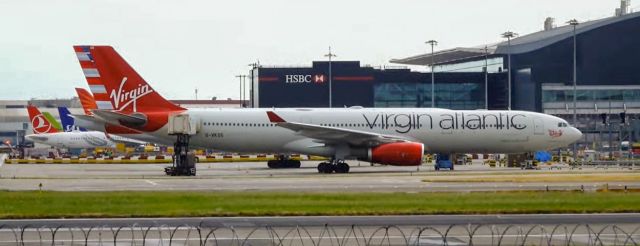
(39, 122)
(116, 85)
(87, 101)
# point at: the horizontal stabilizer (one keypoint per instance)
(120, 118)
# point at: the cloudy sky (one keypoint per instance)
(179, 46)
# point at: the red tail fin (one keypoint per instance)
(87, 101)
(39, 122)
(116, 85)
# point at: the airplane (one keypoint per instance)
(391, 136)
(45, 133)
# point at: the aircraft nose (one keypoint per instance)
(574, 134)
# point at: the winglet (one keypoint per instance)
(274, 118)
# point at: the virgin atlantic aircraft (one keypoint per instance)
(391, 136)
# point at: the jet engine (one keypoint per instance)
(397, 154)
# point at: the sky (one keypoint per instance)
(181, 46)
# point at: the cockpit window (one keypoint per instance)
(562, 124)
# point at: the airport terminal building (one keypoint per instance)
(607, 69)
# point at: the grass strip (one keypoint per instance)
(526, 178)
(47, 204)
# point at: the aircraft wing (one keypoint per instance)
(334, 135)
(121, 139)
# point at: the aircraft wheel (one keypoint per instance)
(330, 168)
(292, 164)
(342, 168)
(325, 168)
(321, 167)
(272, 164)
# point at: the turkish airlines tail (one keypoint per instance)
(116, 85)
(39, 122)
(87, 101)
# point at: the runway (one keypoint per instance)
(257, 177)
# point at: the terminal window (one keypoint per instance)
(448, 95)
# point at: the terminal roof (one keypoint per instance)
(446, 56)
(522, 44)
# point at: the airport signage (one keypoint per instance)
(303, 79)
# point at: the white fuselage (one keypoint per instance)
(440, 130)
(80, 140)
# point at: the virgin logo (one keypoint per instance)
(122, 99)
(555, 133)
(40, 124)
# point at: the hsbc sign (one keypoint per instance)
(300, 78)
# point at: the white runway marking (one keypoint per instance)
(151, 182)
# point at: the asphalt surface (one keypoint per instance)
(363, 178)
(310, 221)
(257, 177)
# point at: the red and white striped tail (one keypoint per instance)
(116, 85)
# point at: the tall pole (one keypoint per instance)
(244, 90)
(486, 77)
(508, 35)
(509, 86)
(240, 94)
(433, 84)
(575, 23)
(330, 55)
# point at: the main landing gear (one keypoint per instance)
(184, 163)
(283, 161)
(338, 166)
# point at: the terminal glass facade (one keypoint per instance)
(590, 95)
(450, 95)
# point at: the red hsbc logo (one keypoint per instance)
(318, 78)
(301, 79)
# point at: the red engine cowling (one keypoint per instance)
(398, 154)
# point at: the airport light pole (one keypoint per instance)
(575, 23)
(486, 77)
(242, 79)
(244, 90)
(240, 93)
(508, 35)
(330, 55)
(433, 85)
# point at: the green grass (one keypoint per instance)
(34, 204)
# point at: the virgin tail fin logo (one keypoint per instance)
(116, 85)
(39, 122)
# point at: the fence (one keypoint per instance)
(471, 234)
